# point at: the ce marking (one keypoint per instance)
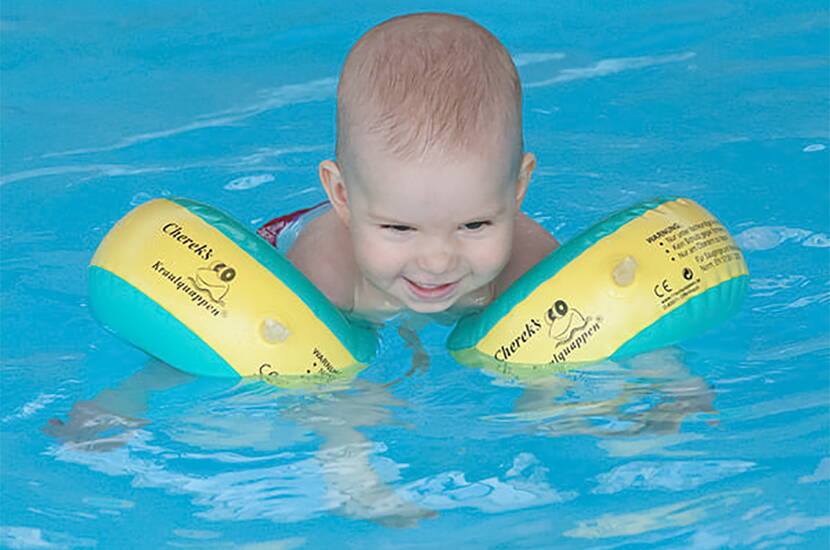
(662, 288)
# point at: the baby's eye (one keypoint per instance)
(475, 226)
(396, 228)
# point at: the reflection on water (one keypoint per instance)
(647, 395)
(524, 485)
(679, 514)
(263, 453)
(677, 475)
(256, 452)
(249, 437)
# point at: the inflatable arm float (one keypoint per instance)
(649, 276)
(197, 289)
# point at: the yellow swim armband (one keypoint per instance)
(647, 277)
(195, 288)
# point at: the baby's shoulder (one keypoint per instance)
(531, 243)
(323, 252)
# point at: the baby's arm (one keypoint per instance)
(531, 243)
(346, 452)
(107, 420)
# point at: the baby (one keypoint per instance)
(429, 176)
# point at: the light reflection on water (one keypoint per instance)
(254, 452)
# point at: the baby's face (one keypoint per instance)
(427, 233)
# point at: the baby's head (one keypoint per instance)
(428, 84)
(430, 168)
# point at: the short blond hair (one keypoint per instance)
(426, 82)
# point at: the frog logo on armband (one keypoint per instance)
(214, 279)
(564, 322)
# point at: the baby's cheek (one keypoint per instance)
(490, 258)
(377, 257)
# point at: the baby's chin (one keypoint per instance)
(431, 307)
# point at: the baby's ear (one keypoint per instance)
(332, 180)
(525, 172)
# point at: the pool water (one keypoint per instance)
(721, 442)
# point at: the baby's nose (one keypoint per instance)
(437, 256)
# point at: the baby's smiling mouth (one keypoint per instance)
(431, 291)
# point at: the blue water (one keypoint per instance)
(719, 443)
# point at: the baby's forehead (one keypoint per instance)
(368, 159)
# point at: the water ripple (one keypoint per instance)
(524, 59)
(761, 527)
(679, 514)
(274, 98)
(773, 285)
(524, 485)
(822, 473)
(119, 170)
(791, 350)
(248, 182)
(679, 475)
(766, 237)
(803, 301)
(611, 66)
(13, 536)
